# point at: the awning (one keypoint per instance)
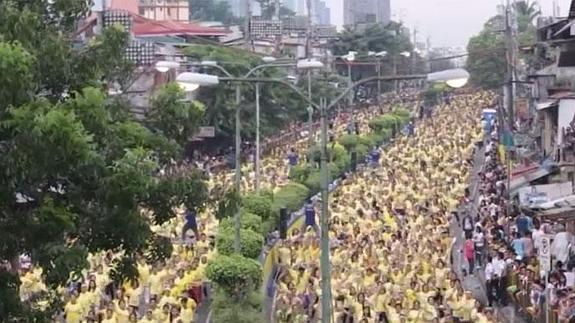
(525, 179)
(546, 105)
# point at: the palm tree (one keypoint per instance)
(527, 9)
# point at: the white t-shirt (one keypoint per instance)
(489, 271)
(537, 237)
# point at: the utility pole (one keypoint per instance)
(247, 25)
(278, 40)
(509, 93)
(414, 53)
(308, 33)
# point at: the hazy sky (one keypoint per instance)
(446, 22)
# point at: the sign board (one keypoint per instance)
(206, 132)
(545, 253)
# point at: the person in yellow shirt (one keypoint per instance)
(110, 317)
(122, 312)
(73, 310)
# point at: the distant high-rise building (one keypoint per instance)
(290, 4)
(322, 13)
(238, 7)
(366, 12)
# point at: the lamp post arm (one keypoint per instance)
(269, 80)
(371, 79)
(259, 67)
(218, 67)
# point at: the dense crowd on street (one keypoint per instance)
(389, 232)
(512, 272)
(171, 291)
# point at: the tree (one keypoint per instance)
(487, 50)
(75, 166)
(173, 116)
(526, 13)
(268, 9)
(211, 10)
(278, 105)
(392, 38)
(486, 61)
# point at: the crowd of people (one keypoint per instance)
(513, 273)
(171, 291)
(389, 232)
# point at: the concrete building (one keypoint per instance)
(366, 12)
(174, 10)
(322, 13)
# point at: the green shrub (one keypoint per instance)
(251, 242)
(292, 196)
(250, 221)
(299, 173)
(362, 152)
(313, 181)
(258, 204)
(234, 274)
(348, 141)
(402, 114)
(229, 309)
(336, 152)
(366, 140)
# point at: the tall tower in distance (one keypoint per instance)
(366, 12)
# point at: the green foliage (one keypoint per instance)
(250, 221)
(362, 151)
(209, 10)
(251, 242)
(392, 38)
(236, 275)
(278, 106)
(348, 141)
(402, 114)
(174, 117)
(487, 57)
(81, 163)
(384, 123)
(292, 196)
(228, 205)
(300, 172)
(313, 181)
(227, 308)
(486, 60)
(258, 204)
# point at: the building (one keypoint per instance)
(322, 13)
(357, 12)
(290, 4)
(174, 10)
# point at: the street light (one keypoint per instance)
(454, 78)
(309, 64)
(269, 59)
(165, 66)
(379, 56)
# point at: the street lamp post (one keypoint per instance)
(460, 76)
(305, 64)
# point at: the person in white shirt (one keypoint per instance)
(478, 240)
(560, 244)
(490, 283)
(499, 267)
(537, 235)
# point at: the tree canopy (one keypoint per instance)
(487, 51)
(76, 169)
(392, 38)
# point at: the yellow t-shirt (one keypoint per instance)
(73, 313)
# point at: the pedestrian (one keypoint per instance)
(309, 211)
(468, 226)
(490, 281)
(374, 156)
(479, 241)
(190, 224)
(292, 158)
(517, 245)
(469, 253)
